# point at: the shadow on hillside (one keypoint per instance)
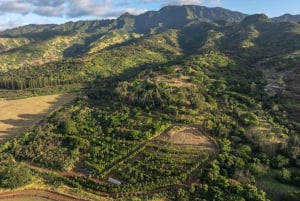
(80, 49)
(193, 38)
(16, 126)
(11, 128)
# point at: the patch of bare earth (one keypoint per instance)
(18, 115)
(181, 81)
(186, 135)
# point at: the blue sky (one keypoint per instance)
(15, 13)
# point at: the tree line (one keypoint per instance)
(47, 75)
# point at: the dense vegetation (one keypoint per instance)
(236, 82)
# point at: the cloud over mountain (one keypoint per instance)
(185, 2)
(15, 6)
(68, 8)
(79, 8)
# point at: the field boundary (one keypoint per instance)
(20, 115)
(47, 194)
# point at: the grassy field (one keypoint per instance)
(18, 115)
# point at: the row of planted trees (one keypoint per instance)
(20, 83)
(47, 75)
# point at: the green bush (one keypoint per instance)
(15, 175)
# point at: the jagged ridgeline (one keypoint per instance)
(234, 76)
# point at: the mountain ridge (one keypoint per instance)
(185, 13)
(288, 18)
(168, 13)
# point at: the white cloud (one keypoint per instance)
(15, 6)
(89, 7)
(9, 22)
(67, 8)
(215, 2)
(187, 2)
(177, 2)
(135, 11)
(50, 11)
(81, 8)
(52, 3)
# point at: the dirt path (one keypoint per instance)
(72, 173)
(35, 194)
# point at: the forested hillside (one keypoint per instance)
(203, 105)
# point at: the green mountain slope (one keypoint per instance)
(288, 18)
(47, 43)
(53, 42)
(175, 17)
(264, 36)
(272, 47)
(12, 43)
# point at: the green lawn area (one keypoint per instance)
(274, 189)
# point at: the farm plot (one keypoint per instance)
(168, 159)
(105, 154)
(18, 115)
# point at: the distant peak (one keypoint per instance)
(211, 14)
(287, 15)
(255, 18)
(125, 15)
(258, 16)
(288, 18)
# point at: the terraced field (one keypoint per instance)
(172, 157)
(168, 161)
